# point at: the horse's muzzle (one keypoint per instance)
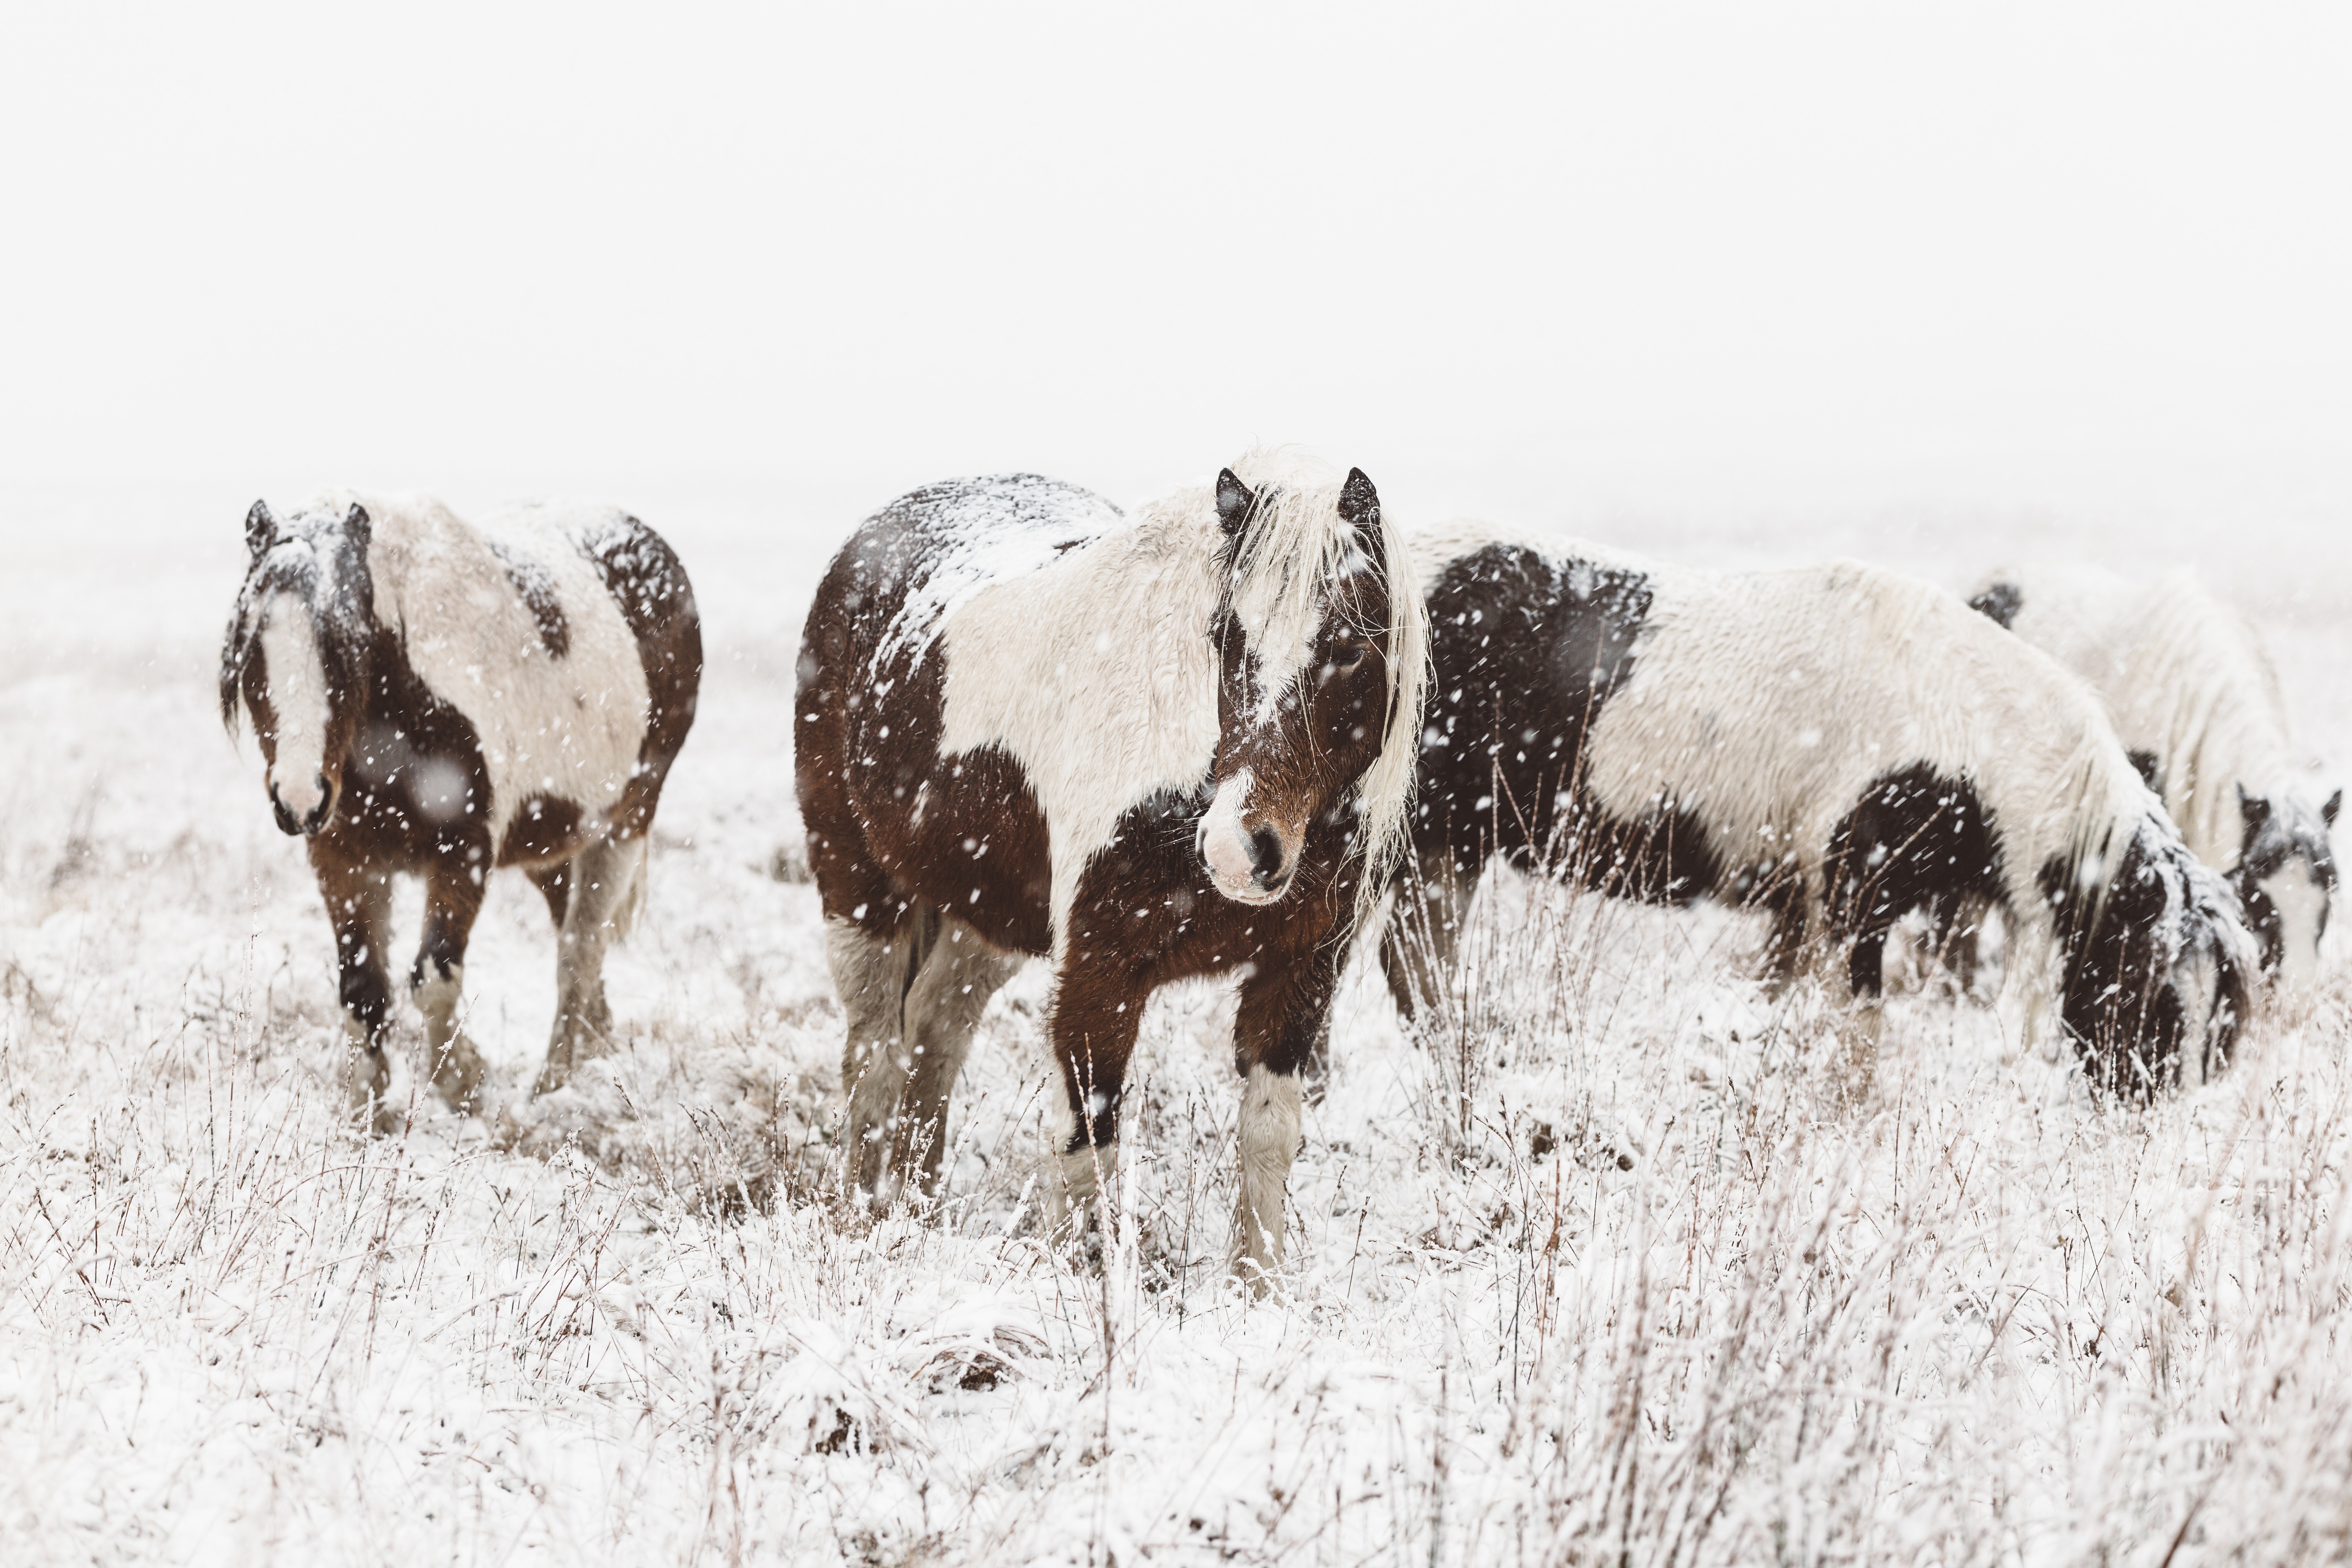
(307, 826)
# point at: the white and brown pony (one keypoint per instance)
(1178, 743)
(2196, 703)
(1832, 746)
(439, 699)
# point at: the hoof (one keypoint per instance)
(459, 1076)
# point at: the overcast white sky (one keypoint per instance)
(1562, 257)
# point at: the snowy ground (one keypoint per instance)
(1599, 1273)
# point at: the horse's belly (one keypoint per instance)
(967, 836)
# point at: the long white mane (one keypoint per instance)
(1111, 634)
(2182, 676)
(1297, 544)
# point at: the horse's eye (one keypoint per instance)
(1347, 658)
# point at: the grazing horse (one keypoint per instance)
(439, 699)
(1150, 748)
(1831, 745)
(2195, 702)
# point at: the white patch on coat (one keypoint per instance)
(569, 728)
(1732, 670)
(998, 530)
(1094, 670)
(1224, 843)
(297, 698)
(1268, 1140)
(2301, 903)
(2183, 677)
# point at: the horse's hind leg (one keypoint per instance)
(872, 973)
(943, 1007)
(599, 878)
(359, 903)
(453, 897)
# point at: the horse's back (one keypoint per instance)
(907, 570)
(524, 624)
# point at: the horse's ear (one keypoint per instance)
(2334, 803)
(1359, 504)
(1233, 503)
(2253, 807)
(357, 526)
(260, 530)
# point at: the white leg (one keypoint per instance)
(871, 974)
(601, 877)
(1074, 1185)
(367, 1080)
(1269, 1142)
(958, 976)
(456, 1067)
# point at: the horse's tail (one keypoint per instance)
(633, 902)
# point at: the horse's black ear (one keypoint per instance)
(1359, 504)
(2334, 803)
(1233, 503)
(260, 530)
(357, 526)
(2253, 807)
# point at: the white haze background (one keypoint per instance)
(1935, 286)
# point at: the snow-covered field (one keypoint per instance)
(1597, 1272)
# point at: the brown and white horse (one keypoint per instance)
(1150, 748)
(437, 699)
(1831, 746)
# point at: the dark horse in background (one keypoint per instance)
(1831, 746)
(1148, 748)
(437, 699)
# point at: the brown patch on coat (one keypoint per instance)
(649, 584)
(535, 586)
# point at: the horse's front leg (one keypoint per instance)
(453, 897)
(1423, 933)
(359, 904)
(1282, 1012)
(1096, 1012)
(1854, 978)
(601, 878)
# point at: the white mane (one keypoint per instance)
(1296, 542)
(1112, 635)
(2182, 676)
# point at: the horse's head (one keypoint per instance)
(2157, 965)
(297, 651)
(2286, 879)
(1321, 642)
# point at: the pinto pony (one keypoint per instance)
(1148, 748)
(437, 699)
(2196, 703)
(1832, 746)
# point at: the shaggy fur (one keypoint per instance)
(1832, 746)
(1150, 748)
(2195, 700)
(438, 700)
